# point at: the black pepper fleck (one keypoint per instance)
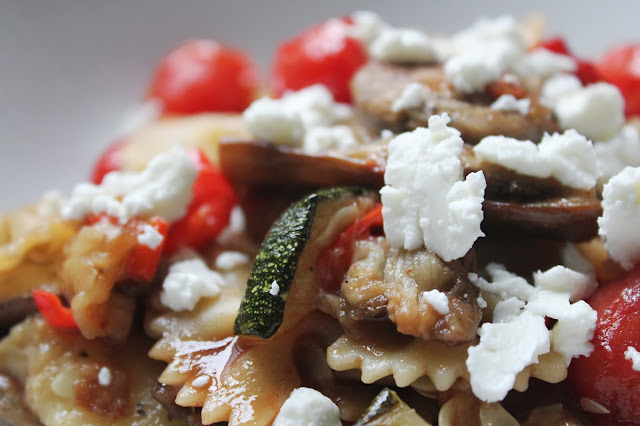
(140, 409)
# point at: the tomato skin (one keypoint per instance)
(621, 66)
(209, 211)
(606, 376)
(204, 76)
(108, 161)
(323, 54)
(50, 307)
(586, 71)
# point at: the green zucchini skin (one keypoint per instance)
(261, 313)
(384, 402)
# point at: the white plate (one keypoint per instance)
(70, 69)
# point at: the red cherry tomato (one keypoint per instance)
(323, 54)
(621, 66)
(52, 310)
(586, 71)
(109, 161)
(334, 262)
(204, 76)
(209, 211)
(606, 376)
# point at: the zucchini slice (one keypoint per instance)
(285, 265)
(389, 410)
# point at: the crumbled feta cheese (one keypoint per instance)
(200, 381)
(413, 96)
(481, 302)
(275, 288)
(237, 225)
(507, 310)
(228, 260)
(472, 71)
(424, 199)
(571, 335)
(511, 103)
(541, 64)
(367, 26)
(504, 350)
(564, 280)
(504, 283)
(619, 152)
(286, 120)
(558, 86)
(163, 188)
(324, 138)
(573, 259)
(306, 406)
(189, 281)
(596, 111)
(633, 355)
(568, 157)
(436, 299)
(386, 134)
(150, 237)
(619, 224)
(104, 376)
(485, 30)
(404, 45)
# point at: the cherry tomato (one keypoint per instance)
(109, 161)
(209, 211)
(323, 54)
(204, 76)
(606, 377)
(52, 310)
(621, 66)
(586, 71)
(334, 262)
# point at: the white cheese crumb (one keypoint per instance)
(150, 237)
(306, 406)
(541, 64)
(404, 45)
(591, 406)
(424, 200)
(596, 111)
(104, 376)
(367, 26)
(200, 381)
(413, 96)
(163, 188)
(189, 281)
(558, 86)
(481, 302)
(573, 259)
(325, 138)
(228, 260)
(436, 299)
(487, 30)
(619, 152)
(386, 134)
(564, 280)
(285, 121)
(237, 225)
(275, 288)
(504, 350)
(619, 224)
(511, 103)
(504, 283)
(633, 355)
(507, 310)
(568, 157)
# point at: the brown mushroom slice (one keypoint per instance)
(377, 85)
(166, 396)
(15, 310)
(516, 203)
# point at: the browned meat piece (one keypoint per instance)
(166, 396)
(377, 85)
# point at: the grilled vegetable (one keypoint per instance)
(285, 267)
(389, 410)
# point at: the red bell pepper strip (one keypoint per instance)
(209, 211)
(333, 263)
(53, 311)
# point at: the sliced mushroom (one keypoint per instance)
(514, 203)
(377, 85)
(166, 396)
(15, 310)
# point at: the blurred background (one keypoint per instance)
(71, 69)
